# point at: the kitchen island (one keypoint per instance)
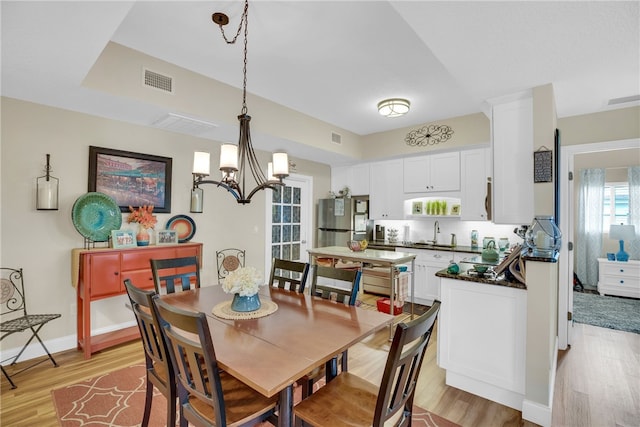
(386, 259)
(482, 332)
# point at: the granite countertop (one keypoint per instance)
(467, 249)
(500, 281)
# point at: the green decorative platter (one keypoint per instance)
(94, 215)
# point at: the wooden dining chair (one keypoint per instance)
(353, 401)
(169, 273)
(229, 260)
(208, 396)
(158, 365)
(342, 288)
(291, 275)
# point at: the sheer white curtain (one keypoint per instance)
(633, 247)
(589, 232)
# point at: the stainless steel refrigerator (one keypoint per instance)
(341, 220)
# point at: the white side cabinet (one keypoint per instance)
(482, 332)
(475, 173)
(386, 200)
(432, 173)
(512, 130)
(619, 278)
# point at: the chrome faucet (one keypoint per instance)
(436, 230)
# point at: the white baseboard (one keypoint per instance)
(55, 345)
(539, 413)
(494, 393)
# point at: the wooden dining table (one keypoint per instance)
(270, 353)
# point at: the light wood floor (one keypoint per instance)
(597, 384)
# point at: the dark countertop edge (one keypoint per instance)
(467, 249)
(467, 278)
(531, 257)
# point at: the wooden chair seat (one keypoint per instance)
(242, 403)
(348, 400)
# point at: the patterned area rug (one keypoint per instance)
(116, 399)
(617, 313)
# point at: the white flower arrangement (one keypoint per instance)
(244, 281)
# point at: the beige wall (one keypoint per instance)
(41, 241)
(473, 129)
(613, 125)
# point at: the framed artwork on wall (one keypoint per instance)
(131, 179)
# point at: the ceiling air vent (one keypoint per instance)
(336, 138)
(183, 124)
(158, 81)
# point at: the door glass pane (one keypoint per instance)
(286, 195)
(277, 194)
(275, 234)
(286, 233)
(286, 251)
(286, 217)
(275, 251)
(276, 214)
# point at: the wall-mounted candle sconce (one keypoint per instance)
(47, 190)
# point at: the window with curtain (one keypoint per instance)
(590, 225)
(616, 204)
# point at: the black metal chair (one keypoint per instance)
(351, 400)
(291, 275)
(343, 288)
(13, 312)
(170, 272)
(159, 369)
(229, 260)
(208, 396)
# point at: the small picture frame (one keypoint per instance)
(455, 210)
(416, 208)
(167, 237)
(123, 239)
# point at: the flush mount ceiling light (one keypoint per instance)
(236, 159)
(394, 107)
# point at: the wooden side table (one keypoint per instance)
(100, 273)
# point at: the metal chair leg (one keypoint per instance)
(8, 378)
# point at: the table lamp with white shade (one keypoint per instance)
(622, 233)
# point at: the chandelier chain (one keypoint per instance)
(244, 22)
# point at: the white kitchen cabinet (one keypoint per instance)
(482, 332)
(386, 199)
(512, 130)
(432, 173)
(356, 177)
(475, 173)
(428, 263)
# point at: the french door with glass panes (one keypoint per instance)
(289, 221)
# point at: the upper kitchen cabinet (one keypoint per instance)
(432, 173)
(386, 199)
(512, 130)
(356, 177)
(475, 176)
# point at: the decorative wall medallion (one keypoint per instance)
(429, 135)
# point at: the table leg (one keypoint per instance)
(285, 413)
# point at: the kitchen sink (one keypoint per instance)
(433, 245)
